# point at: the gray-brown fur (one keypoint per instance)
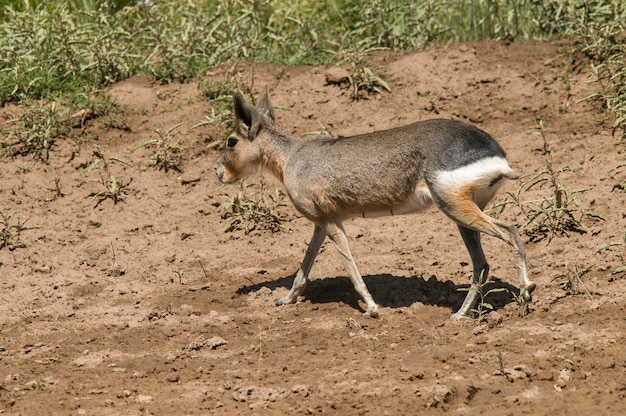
(400, 170)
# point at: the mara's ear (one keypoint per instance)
(248, 115)
(265, 108)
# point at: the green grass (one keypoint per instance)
(67, 52)
(56, 47)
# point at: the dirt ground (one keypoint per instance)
(148, 307)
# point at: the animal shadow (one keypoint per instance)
(393, 291)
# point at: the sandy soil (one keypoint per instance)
(147, 307)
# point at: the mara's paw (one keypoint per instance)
(456, 317)
(526, 292)
(287, 300)
(371, 312)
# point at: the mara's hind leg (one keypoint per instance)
(467, 214)
(480, 275)
(302, 276)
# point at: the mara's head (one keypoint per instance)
(241, 155)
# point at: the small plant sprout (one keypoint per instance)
(166, 154)
(483, 307)
(56, 189)
(522, 304)
(11, 231)
(112, 187)
(433, 102)
(571, 280)
(608, 251)
(179, 275)
(115, 269)
(502, 371)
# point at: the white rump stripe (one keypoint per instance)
(481, 172)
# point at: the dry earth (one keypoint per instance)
(147, 307)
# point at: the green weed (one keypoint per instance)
(551, 215)
(571, 280)
(167, 154)
(362, 78)
(11, 231)
(256, 211)
(483, 306)
(599, 32)
(111, 187)
(57, 192)
(36, 131)
(179, 275)
(56, 47)
(608, 252)
(98, 104)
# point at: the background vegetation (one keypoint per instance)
(55, 48)
(57, 56)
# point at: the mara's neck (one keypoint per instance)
(275, 150)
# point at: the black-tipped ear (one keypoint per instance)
(247, 114)
(242, 109)
(265, 108)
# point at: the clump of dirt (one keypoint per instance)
(146, 306)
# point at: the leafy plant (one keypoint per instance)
(38, 128)
(483, 306)
(58, 193)
(608, 248)
(552, 215)
(166, 154)
(112, 187)
(256, 211)
(362, 78)
(11, 231)
(571, 280)
(88, 106)
(179, 275)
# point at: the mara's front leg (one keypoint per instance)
(337, 235)
(302, 276)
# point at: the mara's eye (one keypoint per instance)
(232, 142)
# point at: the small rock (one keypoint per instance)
(144, 399)
(302, 389)
(123, 394)
(440, 394)
(336, 75)
(564, 377)
(216, 342)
